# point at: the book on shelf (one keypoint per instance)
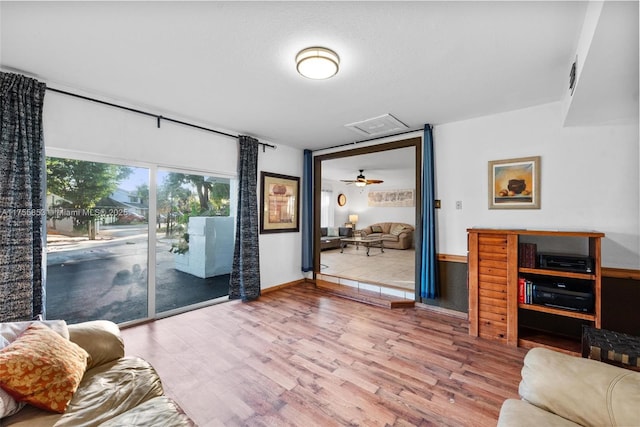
(527, 253)
(521, 281)
(525, 291)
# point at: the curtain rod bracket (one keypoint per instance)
(159, 119)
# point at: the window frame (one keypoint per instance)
(151, 235)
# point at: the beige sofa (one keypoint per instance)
(114, 391)
(562, 390)
(396, 235)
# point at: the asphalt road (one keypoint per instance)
(107, 279)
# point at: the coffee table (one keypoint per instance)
(367, 243)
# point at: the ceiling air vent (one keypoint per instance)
(378, 125)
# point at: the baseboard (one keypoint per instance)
(442, 310)
(283, 285)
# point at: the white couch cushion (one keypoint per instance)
(585, 391)
(8, 404)
(519, 413)
(396, 229)
(11, 330)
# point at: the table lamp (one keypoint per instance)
(353, 219)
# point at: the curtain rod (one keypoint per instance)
(367, 140)
(159, 118)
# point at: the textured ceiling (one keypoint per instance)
(389, 166)
(230, 65)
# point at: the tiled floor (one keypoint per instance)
(394, 267)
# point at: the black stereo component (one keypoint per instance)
(570, 295)
(575, 263)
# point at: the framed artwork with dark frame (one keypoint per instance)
(280, 201)
(514, 183)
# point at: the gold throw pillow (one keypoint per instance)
(42, 368)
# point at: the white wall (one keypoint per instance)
(87, 127)
(357, 203)
(367, 215)
(592, 15)
(83, 128)
(280, 253)
(589, 175)
(589, 178)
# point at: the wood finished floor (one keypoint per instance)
(299, 357)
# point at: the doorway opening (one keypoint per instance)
(345, 213)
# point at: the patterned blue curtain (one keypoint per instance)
(429, 286)
(245, 273)
(307, 212)
(21, 202)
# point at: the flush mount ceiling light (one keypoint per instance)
(317, 63)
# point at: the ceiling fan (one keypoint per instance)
(361, 181)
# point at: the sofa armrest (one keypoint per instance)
(408, 234)
(520, 413)
(584, 391)
(100, 338)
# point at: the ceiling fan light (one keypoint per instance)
(317, 63)
(360, 184)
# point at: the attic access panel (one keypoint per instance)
(378, 126)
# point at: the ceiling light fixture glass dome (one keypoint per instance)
(317, 63)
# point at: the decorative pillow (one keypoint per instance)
(42, 368)
(332, 232)
(376, 229)
(8, 405)
(396, 229)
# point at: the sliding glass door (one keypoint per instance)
(194, 239)
(97, 241)
(126, 243)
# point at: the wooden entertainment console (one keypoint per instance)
(495, 265)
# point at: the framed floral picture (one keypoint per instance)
(280, 201)
(514, 183)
